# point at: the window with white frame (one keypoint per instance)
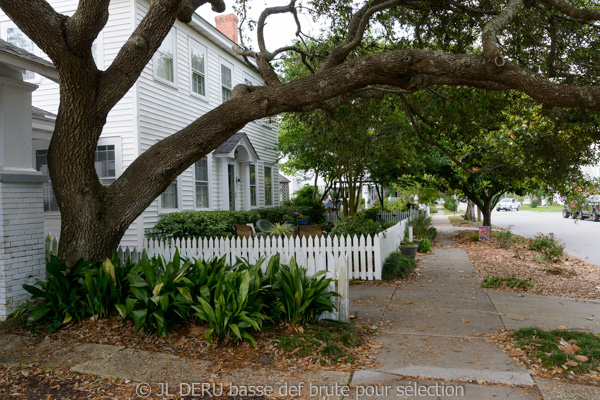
(201, 177)
(17, 38)
(41, 164)
(198, 67)
(164, 59)
(226, 81)
(169, 198)
(105, 163)
(252, 170)
(268, 186)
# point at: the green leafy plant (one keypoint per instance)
(59, 299)
(356, 225)
(233, 310)
(281, 230)
(302, 299)
(397, 266)
(534, 203)
(161, 294)
(512, 282)
(548, 245)
(450, 204)
(107, 285)
(504, 238)
(425, 246)
(420, 223)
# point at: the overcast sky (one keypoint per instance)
(280, 29)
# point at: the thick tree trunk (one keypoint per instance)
(470, 212)
(487, 216)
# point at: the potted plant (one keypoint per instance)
(302, 220)
(409, 250)
(281, 230)
(288, 219)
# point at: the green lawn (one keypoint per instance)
(527, 207)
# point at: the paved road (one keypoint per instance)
(581, 238)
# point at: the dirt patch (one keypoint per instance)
(569, 277)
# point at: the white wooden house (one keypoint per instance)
(194, 71)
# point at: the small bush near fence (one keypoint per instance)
(425, 246)
(204, 224)
(505, 238)
(357, 225)
(234, 301)
(397, 266)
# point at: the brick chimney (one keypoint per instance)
(228, 26)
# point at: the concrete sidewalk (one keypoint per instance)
(438, 329)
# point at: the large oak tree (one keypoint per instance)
(544, 48)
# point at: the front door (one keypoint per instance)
(231, 175)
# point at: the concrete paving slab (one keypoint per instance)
(402, 351)
(159, 368)
(397, 387)
(468, 300)
(12, 347)
(445, 321)
(525, 310)
(557, 390)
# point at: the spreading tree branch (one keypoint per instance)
(587, 14)
(489, 35)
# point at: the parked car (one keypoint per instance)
(589, 209)
(508, 204)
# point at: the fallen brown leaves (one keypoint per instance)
(506, 342)
(570, 277)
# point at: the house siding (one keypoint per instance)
(153, 110)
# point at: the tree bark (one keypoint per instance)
(470, 212)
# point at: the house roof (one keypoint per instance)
(19, 58)
(231, 143)
(283, 179)
(38, 113)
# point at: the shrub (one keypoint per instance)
(511, 282)
(59, 299)
(161, 294)
(548, 245)
(450, 204)
(505, 238)
(534, 203)
(425, 246)
(371, 213)
(302, 299)
(232, 305)
(420, 223)
(356, 225)
(432, 233)
(433, 209)
(397, 266)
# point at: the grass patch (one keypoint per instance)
(512, 282)
(473, 237)
(327, 343)
(527, 207)
(574, 351)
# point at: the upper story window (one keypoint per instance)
(226, 81)
(165, 60)
(105, 163)
(201, 170)
(17, 38)
(198, 67)
(268, 186)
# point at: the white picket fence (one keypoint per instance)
(383, 216)
(365, 254)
